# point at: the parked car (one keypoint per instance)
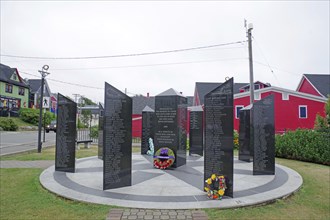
(51, 127)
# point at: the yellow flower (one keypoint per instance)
(206, 189)
(221, 192)
(221, 177)
(208, 181)
(213, 176)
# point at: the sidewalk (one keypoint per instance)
(118, 213)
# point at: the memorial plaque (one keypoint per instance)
(196, 136)
(245, 147)
(117, 135)
(65, 134)
(219, 128)
(171, 124)
(263, 136)
(148, 128)
(100, 131)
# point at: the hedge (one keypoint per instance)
(32, 116)
(7, 124)
(304, 145)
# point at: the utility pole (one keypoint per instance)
(43, 75)
(249, 36)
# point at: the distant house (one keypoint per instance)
(35, 88)
(315, 84)
(14, 92)
(139, 103)
(293, 109)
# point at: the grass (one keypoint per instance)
(22, 197)
(312, 201)
(49, 154)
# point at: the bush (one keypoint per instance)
(236, 141)
(95, 131)
(7, 124)
(304, 145)
(31, 116)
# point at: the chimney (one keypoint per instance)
(147, 94)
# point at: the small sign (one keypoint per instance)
(45, 102)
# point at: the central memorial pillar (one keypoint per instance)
(219, 128)
(171, 124)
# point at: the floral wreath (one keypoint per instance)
(215, 187)
(164, 158)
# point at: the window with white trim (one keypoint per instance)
(237, 109)
(302, 111)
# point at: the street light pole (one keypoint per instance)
(43, 75)
(249, 35)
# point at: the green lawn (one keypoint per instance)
(22, 196)
(49, 154)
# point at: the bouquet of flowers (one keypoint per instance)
(215, 187)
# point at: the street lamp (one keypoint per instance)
(43, 75)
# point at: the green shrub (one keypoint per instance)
(95, 131)
(236, 141)
(32, 116)
(304, 145)
(7, 124)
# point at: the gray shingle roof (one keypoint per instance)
(205, 87)
(321, 82)
(34, 85)
(140, 102)
(5, 74)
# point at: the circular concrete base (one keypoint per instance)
(180, 188)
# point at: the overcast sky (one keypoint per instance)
(290, 38)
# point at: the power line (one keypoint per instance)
(147, 65)
(124, 55)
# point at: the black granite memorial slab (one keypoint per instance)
(117, 135)
(219, 128)
(65, 134)
(100, 131)
(171, 124)
(148, 128)
(245, 152)
(196, 133)
(263, 136)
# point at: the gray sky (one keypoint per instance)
(290, 38)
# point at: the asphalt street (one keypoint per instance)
(19, 141)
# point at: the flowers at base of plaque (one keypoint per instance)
(215, 187)
(164, 158)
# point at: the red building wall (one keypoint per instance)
(287, 111)
(306, 87)
(136, 126)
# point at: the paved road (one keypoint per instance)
(14, 142)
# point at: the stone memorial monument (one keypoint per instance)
(219, 128)
(148, 128)
(245, 148)
(171, 124)
(100, 131)
(263, 136)
(196, 132)
(65, 154)
(117, 136)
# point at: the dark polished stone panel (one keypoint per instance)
(100, 138)
(148, 128)
(117, 135)
(65, 135)
(245, 150)
(218, 153)
(171, 124)
(263, 136)
(196, 136)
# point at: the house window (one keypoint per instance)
(256, 86)
(302, 111)
(21, 91)
(238, 108)
(9, 88)
(257, 96)
(285, 96)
